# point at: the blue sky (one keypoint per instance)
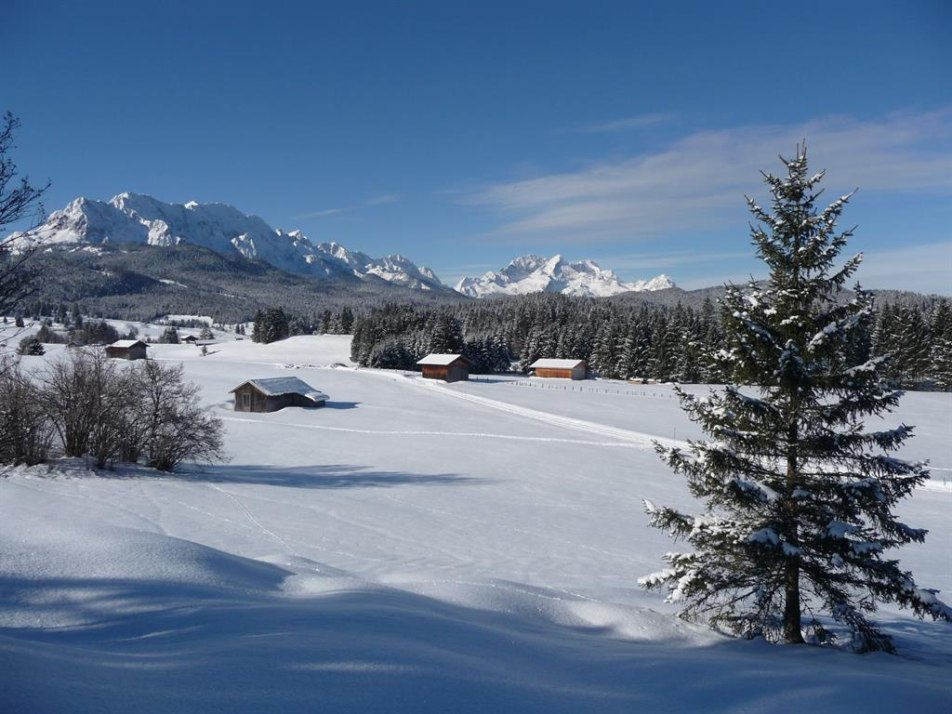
(465, 134)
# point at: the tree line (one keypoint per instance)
(275, 323)
(619, 341)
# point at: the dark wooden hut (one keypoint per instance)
(449, 368)
(270, 395)
(560, 368)
(127, 349)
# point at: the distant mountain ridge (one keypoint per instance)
(139, 219)
(142, 219)
(533, 273)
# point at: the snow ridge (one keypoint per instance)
(138, 218)
(532, 274)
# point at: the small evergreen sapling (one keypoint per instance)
(31, 345)
(799, 493)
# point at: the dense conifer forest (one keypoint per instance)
(623, 340)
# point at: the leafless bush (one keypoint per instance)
(68, 398)
(114, 412)
(172, 425)
(26, 433)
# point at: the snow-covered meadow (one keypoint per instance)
(413, 547)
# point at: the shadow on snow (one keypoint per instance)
(341, 405)
(387, 650)
(318, 476)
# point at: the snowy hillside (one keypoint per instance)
(413, 547)
(135, 218)
(532, 274)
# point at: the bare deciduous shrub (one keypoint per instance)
(26, 433)
(119, 412)
(173, 426)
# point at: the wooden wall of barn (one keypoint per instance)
(134, 352)
(560, 373)
(448, 373)
(250, 399)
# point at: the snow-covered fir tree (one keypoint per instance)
(940, 324)
(270, 325)
(798, 492)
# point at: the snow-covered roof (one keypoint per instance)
(276, 386)
(556, 364)
(126, 344)
(439, 360)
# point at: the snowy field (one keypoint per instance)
(413, 547)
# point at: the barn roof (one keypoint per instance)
(126, 344)
(276, 386)
(440, 360)
(557, 364)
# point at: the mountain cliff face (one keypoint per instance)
(135, 218)
(532, 274)
(392, 268)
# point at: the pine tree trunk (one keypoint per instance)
(792, 634)
(791, 611)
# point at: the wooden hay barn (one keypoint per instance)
(449, 368)
(270, 395)
(560, 368)
(127, 349)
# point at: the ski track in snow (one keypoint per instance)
(637, 438)
(628, 438)
(251, 518)
(463, 434)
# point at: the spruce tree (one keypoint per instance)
(798, 492)
(940, 326)
(270, 326)
(911, 353)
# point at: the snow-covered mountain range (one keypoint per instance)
(142, 219)
(533, 273)
(136, 218)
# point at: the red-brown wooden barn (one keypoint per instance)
(560, 368)
(449, 368)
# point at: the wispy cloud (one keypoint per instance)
(381, 200)
(642, 121)
(666, 261)
(324, 213)
(923, 268)
(698, 182)
(378, 200)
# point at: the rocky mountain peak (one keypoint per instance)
(533, 273)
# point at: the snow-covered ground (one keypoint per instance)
(413, 547)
